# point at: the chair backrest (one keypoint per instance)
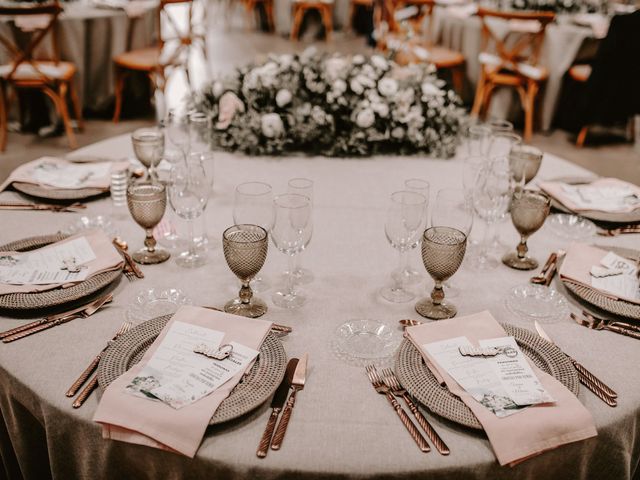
(178, 29)
(516, 36)
(39, 21)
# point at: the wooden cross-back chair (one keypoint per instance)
(514, 61)
(23, 71)
(171, 51)
(420, 47)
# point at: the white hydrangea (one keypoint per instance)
(339, 87)
(397, 132)
(379, 62)
(356, 86)
(357, 59)
(429, 89)
(381, 108)
(336, 67)
(283, 97)
(387, 87)
(365, 118)
(272, 125)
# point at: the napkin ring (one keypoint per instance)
(71, 266)
(216, 353)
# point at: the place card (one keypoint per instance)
(616, 275)
(59, 263)
(504, 384)
(69, 175)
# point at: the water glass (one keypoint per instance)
(302, 186)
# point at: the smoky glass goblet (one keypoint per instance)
(148, 147)
(443, 249)
(529, 209)
(245, 250)
(147, 203)
(524, 163)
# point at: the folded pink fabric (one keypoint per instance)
(527, 433)
(577, 265)
(25, 173)
(107, 259)
(127, 418)
(556, 190)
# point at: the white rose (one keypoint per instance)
(357, 59)
(379, 62)
(318, 115)
(228, 105)
(217, 89)
(356, 86)
(335, 67)
(397, 132)
(366, 81)
(365, 118)
(429, 89)
(339, 87)
(272, 125)
(381, 109)
(286, 60)
(283, 97)
(387, 87)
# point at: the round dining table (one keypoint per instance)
(340, 428)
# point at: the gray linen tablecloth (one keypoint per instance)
(340, 428)
(90, 37)
(561, 47)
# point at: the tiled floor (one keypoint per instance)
(230, 46)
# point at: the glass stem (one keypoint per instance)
(149, 241)
(296, 263)
(192, 242)
(488, 235)
(522, 248)
(399, 280)
(290, 276)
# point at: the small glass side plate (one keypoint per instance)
(363, 341)
(537, 302)
(90, 223)
(153, 303)
(572, 227)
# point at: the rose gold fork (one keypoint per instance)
(382, 389)
(392, 382)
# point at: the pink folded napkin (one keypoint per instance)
(31, 172)
(606, 187)
(127, 418)
(577, 265)
(529, 432)
(107, 259)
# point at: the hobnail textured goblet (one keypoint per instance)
(147, 203)
(148, 146)
(443, 249)
(245, 250)
(529, 209)
(524, 163)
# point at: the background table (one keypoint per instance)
(340, 427)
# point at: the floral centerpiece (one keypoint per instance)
(331, 105)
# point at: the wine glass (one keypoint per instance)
(253, 203)
(302, 186)
(188, 195)
(491, 197)
(176, 126)
(443, 249)
(524, 162)
(245, 250)
(199, 131)
(403, 228)
(292, 220)
(496, 125)
(147, 203)
(529, 209)
(170, 231)
(410, 275)
(148, 147)
(201, 235)
(478, 140)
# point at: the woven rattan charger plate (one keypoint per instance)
(56, 296)
(602, 301)
(597, 215)
(252, 391)
(57, 193)
(416, 377)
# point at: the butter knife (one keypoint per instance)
(297, 384)
(277, 403)
(587, 378)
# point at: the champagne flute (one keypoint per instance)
(148, 147)
(201, 233)
(404, 225)
(302, 186)
(176, 126)
(292, 220)
(188, 195)
(253, 204)
(199, 128)
(478, 140)
(170, 231)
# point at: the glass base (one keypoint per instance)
(428, 309)
(259, 284)
(512, 260)
(482, 262)
(288, 300)
(254, 309)
(303, 276)
(146, 257)
(408, 276)
(190, 260)
(396, 295)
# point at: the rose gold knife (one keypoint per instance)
(297, 384)
(127, 258)
(588, 379)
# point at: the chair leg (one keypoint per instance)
(76, 106)
(268, 10)
(486, 101)
(532, 92)
(350, 16)
(582, 136)
(3, 119)
(479, 98)
(119, 87)
(457, 78)
(64, 113)
(327, 19)
(298, 15)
